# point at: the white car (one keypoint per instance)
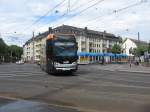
(20, 62)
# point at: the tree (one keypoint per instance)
(2, 46)
(139, 51)
(15, 51)
(149, 47)
(109, 50)
(116, 49)
(3, 49)
(7, 52)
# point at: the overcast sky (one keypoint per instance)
(121, 17)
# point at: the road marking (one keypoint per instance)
(15, 75)
(23, 72)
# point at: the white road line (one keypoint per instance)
(14, 75)
(44, 81)
(20, 72)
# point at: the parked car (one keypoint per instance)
(20, 62)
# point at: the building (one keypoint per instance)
(32, 48)
(130, 44)
(88, 41)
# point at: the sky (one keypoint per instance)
(125, 18)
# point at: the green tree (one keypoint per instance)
(139, 51)
(116, 49)
(7, 52)
(149, 47)
(3, 49)
(15, 51)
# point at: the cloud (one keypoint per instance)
(18, 16)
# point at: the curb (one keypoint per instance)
(126, 71)
(145, 72)
(133, 71)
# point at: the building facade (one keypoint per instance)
(130, 44)
(88, 41)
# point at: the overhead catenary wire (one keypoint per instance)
(130, 6)
(80, 12)
(62, 15)
(83, 10)
(49, 11)
(76, 8)
(74, 3)
(118, 10)
(71, 11)
(43, 16)
(88, 8)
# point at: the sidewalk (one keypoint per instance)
(125, 68)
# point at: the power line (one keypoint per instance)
(75, 2)
(14, 33)
(82, 5)
(130, 6)
(88, 8)
(119, 10)
(49, 11)
(45, 14)
(80, 12)
(66, 13)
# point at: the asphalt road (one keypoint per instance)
(88, 90)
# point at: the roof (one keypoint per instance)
(108, 35)
(42, 35)
(80, 31)
(144, 43)
(39, 36)
(68, 27)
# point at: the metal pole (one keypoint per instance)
(139, 37)
(125, 48)
(11, 56)
(139, 43)
(33, 48)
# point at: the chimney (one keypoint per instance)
(85, 28)
(50, 29)
(104, 33)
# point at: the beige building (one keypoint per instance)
(28, 50)
(32, 48)
(88, 41)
